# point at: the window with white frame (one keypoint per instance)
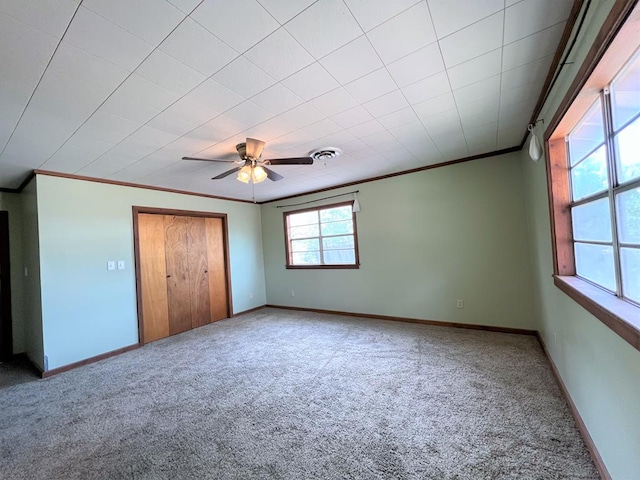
(323, 237)
(603, 151)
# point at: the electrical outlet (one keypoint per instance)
(120, 264)
(111, 265)
(459, 303)
(293, 294)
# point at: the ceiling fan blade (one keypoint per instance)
(254, 148)
(271, 175)
(290, 161)
(209, 159)
(226, 174)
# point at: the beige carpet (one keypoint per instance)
(280, 394)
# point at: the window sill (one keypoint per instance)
(620, 316)
(320, 267)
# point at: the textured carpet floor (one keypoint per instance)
(277, 394)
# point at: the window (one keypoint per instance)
(323, 237)
(593, 163)
(604, 174)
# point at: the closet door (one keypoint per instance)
(198, 271)
(153, 277)
(217, 268)
(177, 278)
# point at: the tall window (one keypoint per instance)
(604, 171)
(323, 237)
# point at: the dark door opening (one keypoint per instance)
(6, 340)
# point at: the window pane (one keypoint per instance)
(592, 221)
(630, 263)
(305, 231)
(337, 243)
(305, 245)
(337, 228)
(304, 218)
(306, 258)
(338, 213)
(588, 134)
(339, 257)
(628, 151)
(595, 263)
(590, 176)
(625, 99)
(629, 216)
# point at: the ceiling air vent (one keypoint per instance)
(324, 154)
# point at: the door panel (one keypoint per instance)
(177, 260)
(217, 269)
(198, 272)
(153, 276)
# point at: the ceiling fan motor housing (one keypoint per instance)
(242, 150)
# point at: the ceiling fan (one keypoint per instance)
(250, 166)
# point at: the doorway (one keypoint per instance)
(182, 270)
(6, 332)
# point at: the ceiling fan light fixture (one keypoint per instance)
(258, 174)
(244, 175)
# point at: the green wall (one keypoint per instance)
(425, 240)
(88, 310)
(600, 370)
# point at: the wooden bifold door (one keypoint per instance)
(182, 273)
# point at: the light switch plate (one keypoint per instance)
(111, 265)
(120, 264)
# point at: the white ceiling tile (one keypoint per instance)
(352, 61)
(421, 64)
(482, 144)
(292, 140)
(58, 95)
(76, 154)
(472, 41)
(386, 104)
(400, 117)
(24, 55)
(530, 16)
(449, 16)
(488, 87)
(119, 105)
(107, 165)
(169, 73)
(155, 135)
(352, 117)
(403, 34)
(195, 46)
(49, 17)
(532, 47)
(371, 13)
(150, 20)
(103, 119)
(302, 115)
(371, 86)
(476, 69)
(240, 24)
(135, 148)
(147, 93)
(98, 36)
(480, 128)
(214, 96)
(335, 101)
(92, 132)
(194, 112)
(311, 81)
(367, 128)
(409, 132)
(185, 5)
(10, 114)
(376, 139)
(280, 55)
(510, 137)
(285, 10)
(435, 105)
(322, 128)
(485, 110)
(277, 99)
(427, 88)
(324, 26)
(244, 78)
(248, 113)
(171, 124)
(532, 74)
(439, 120)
